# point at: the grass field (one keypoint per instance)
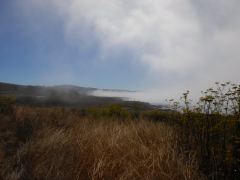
(57, 143)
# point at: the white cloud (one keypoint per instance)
(165, 33)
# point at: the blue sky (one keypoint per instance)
(165, 46)
(34, 50)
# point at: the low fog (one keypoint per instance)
(154, 97)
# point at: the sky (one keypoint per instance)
(163, 47)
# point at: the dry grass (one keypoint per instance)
(87, 148)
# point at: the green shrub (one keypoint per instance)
(6, 103)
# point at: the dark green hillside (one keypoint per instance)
(64, 95)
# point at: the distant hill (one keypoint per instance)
(6, 88)
(62, 95)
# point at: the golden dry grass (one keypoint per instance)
(87, 148)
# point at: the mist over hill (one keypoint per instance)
(68, 95)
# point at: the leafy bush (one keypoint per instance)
(114, 111)
(6, 103)
(212, 127)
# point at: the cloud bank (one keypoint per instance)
(192, 43)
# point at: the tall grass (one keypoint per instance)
(60, 143)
